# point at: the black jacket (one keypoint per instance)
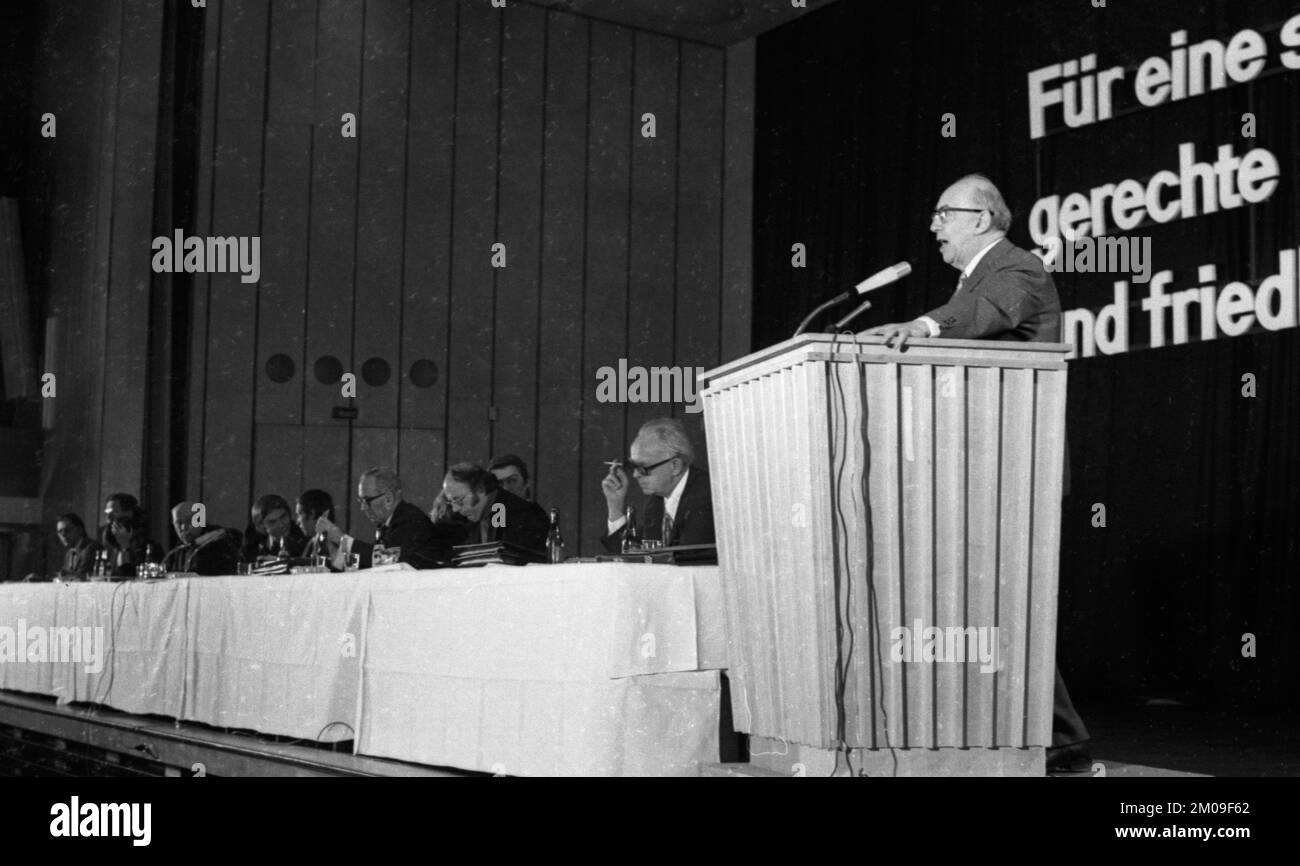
(215, 552)
(525, 523)
(694, 522)
(135, 550)
(422, 544)
(258, 544)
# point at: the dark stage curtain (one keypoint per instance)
(1201, 484)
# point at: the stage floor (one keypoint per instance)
(1128, 742)
(1184, 741)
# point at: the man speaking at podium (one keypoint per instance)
(1003, 293)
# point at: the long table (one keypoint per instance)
(576, 669)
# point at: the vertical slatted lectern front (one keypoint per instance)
(888, 526)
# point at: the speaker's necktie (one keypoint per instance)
(961, 281)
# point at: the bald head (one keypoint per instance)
(976, 216)
(183, 521)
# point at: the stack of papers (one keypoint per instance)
(494, 553)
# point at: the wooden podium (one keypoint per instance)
(884, 517)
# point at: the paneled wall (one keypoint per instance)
(475, 126)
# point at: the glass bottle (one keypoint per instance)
(554, 540)
(631, 533)
(321, 557)
(152, 566)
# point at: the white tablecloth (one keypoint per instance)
(584, 669)
(144, 663)
(560, 670)
(275, 654)
(22, 606)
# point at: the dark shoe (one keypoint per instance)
(1072, 760)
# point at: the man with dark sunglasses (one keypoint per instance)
(679, 504)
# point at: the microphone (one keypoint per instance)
(884, 278)
(891, 274)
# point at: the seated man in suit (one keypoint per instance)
(79, 548)
(399, 526)
(126, 534)
(207, 550)
(271, 530)
(493, 512)
(680, 505)
(512, 474)
(311, 506)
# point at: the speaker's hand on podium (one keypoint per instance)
(614, 486)
(898, 330)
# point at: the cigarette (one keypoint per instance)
(612, 463)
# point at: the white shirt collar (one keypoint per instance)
(975, 259)
(670, 504)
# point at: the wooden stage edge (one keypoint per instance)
(769, 757)
(119, 743)
(46, 736)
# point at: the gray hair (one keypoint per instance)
(986, 195)
(386, 480)
(669, 433)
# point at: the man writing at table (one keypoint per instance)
(1004, 293)
(493, 513)
(400, 527)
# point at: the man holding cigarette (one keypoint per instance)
(679, 509)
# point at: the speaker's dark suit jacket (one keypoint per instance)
(422, 544)
(694, 521)
(1009, 296)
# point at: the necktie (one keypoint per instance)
(961, 281)
(667, 531)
